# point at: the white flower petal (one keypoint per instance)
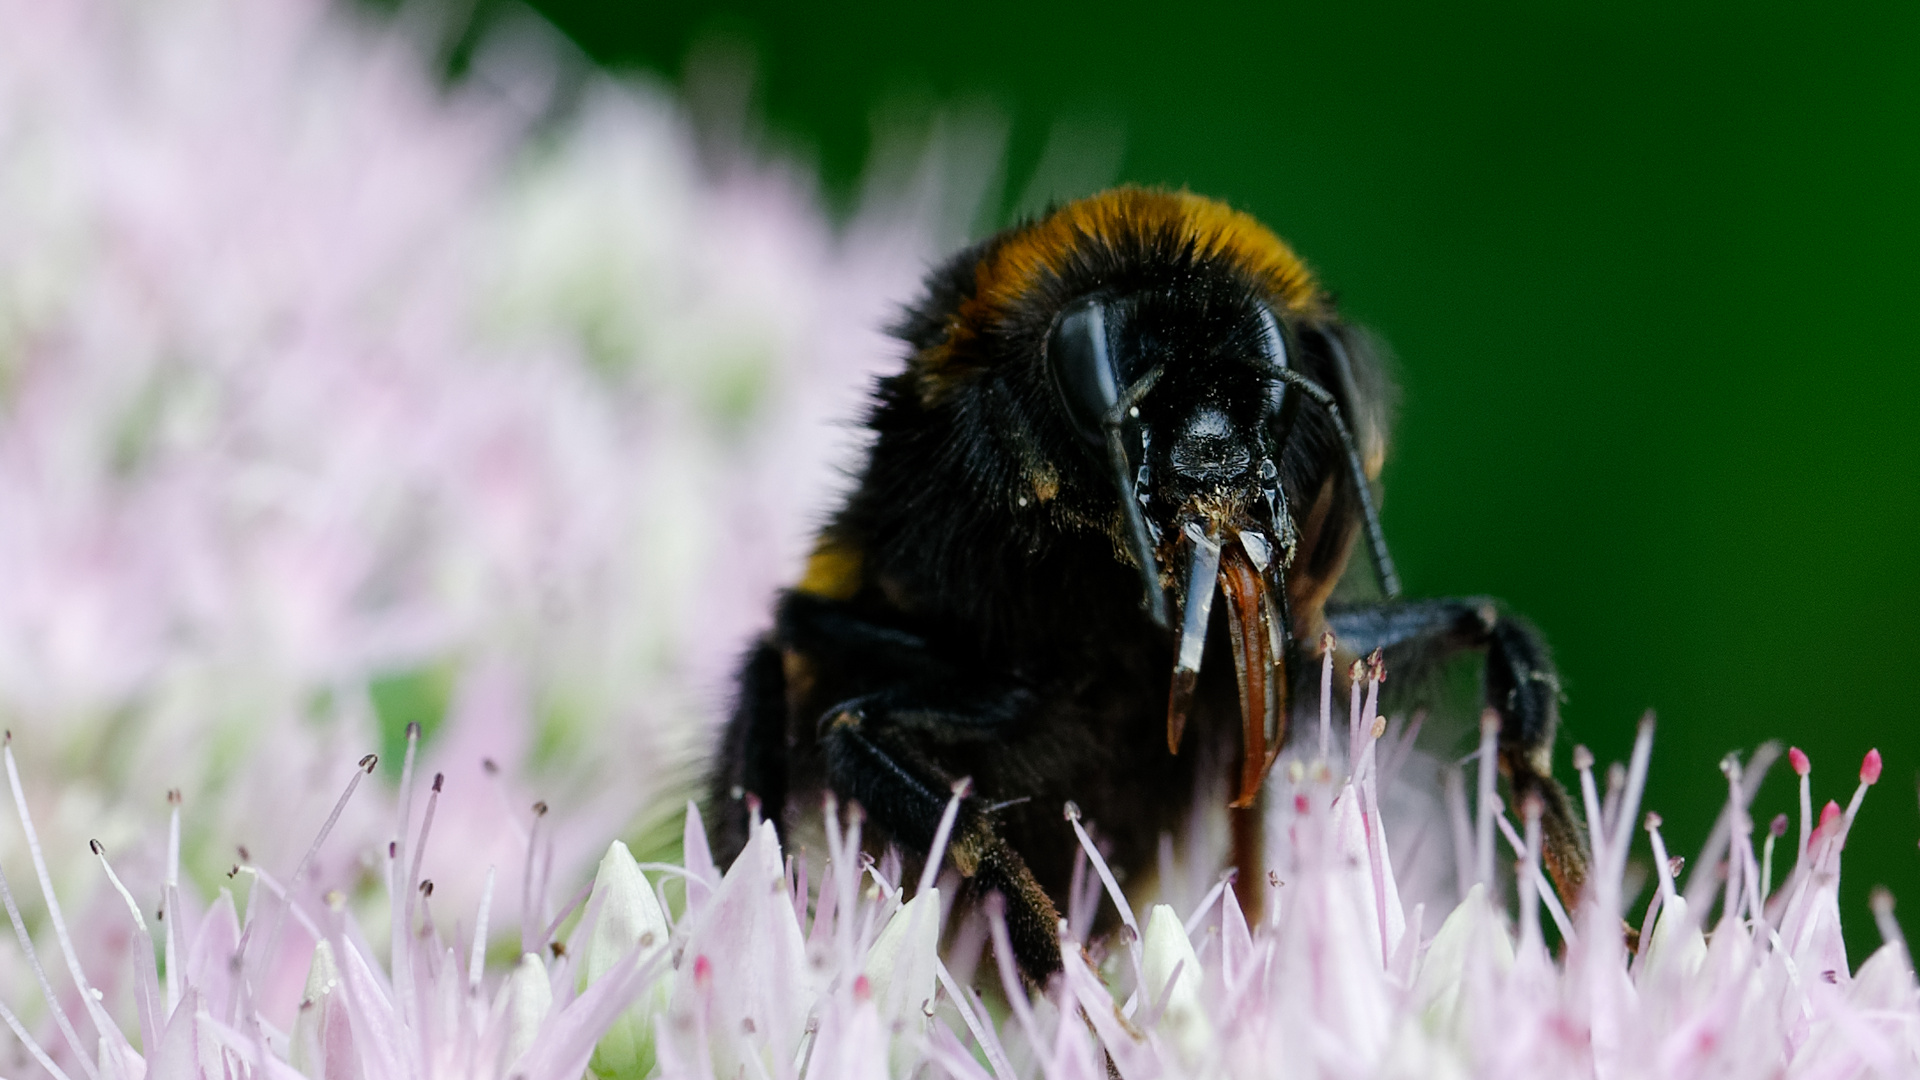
(1474, 936)
(902, 963)
(1678, 947)
(529, 997)
(1165, 949)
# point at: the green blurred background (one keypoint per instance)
(1650, 274)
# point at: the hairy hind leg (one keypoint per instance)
(885, 752)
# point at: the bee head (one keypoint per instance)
(1182, 393)
(1166, 372)
(1179, 395)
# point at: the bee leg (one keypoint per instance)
(1521, 687)
(882, 755)
(762, 761)
(752, 760)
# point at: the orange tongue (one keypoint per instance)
(1260, 669)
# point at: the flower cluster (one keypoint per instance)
(754, 972)
(333, 399)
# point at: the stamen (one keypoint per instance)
(567, 909)
(1457, 815)
(529, 915)
(1590, 797)
(148, 990)
(1774, 832)
(1739, 829)
(1403, 748)
(39, 1055)
(1543, 888)
(1326, 693)
(982, 1033)
(46, 987)
(399, 892)
(1636, 787)
(996, 908)
(361, 770)
(842, 849)
(1705, 880)
(938, 850)
(1483, 834)
(1869, 776)
(1661, 865)
(1610, 802)
(1356, 676)
(1106, 878)
(1803, 767)
(87, 998)
(1082, 901)
(170, 899)
(1364, 733)
(477, 956)
(1375, 827)
(1667, 869)
(1206, 902)
(1881, 901)
(419, 849)
(1529, 875)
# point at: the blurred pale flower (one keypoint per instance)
(333, 400)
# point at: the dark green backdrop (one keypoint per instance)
(1649, 274)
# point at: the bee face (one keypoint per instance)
(1177, 390)
(1198, 423)
(1133, 353)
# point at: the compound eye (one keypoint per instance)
(1273, 353)
(1273, 343)
(1083, 369)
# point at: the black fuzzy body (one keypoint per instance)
(975, 611)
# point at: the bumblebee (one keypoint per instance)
(1109, 416)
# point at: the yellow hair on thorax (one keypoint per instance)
(1212, 228)
(1022, 260)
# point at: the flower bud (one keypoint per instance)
(1164, 949)
(630, 919)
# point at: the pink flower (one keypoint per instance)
(760, 972)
